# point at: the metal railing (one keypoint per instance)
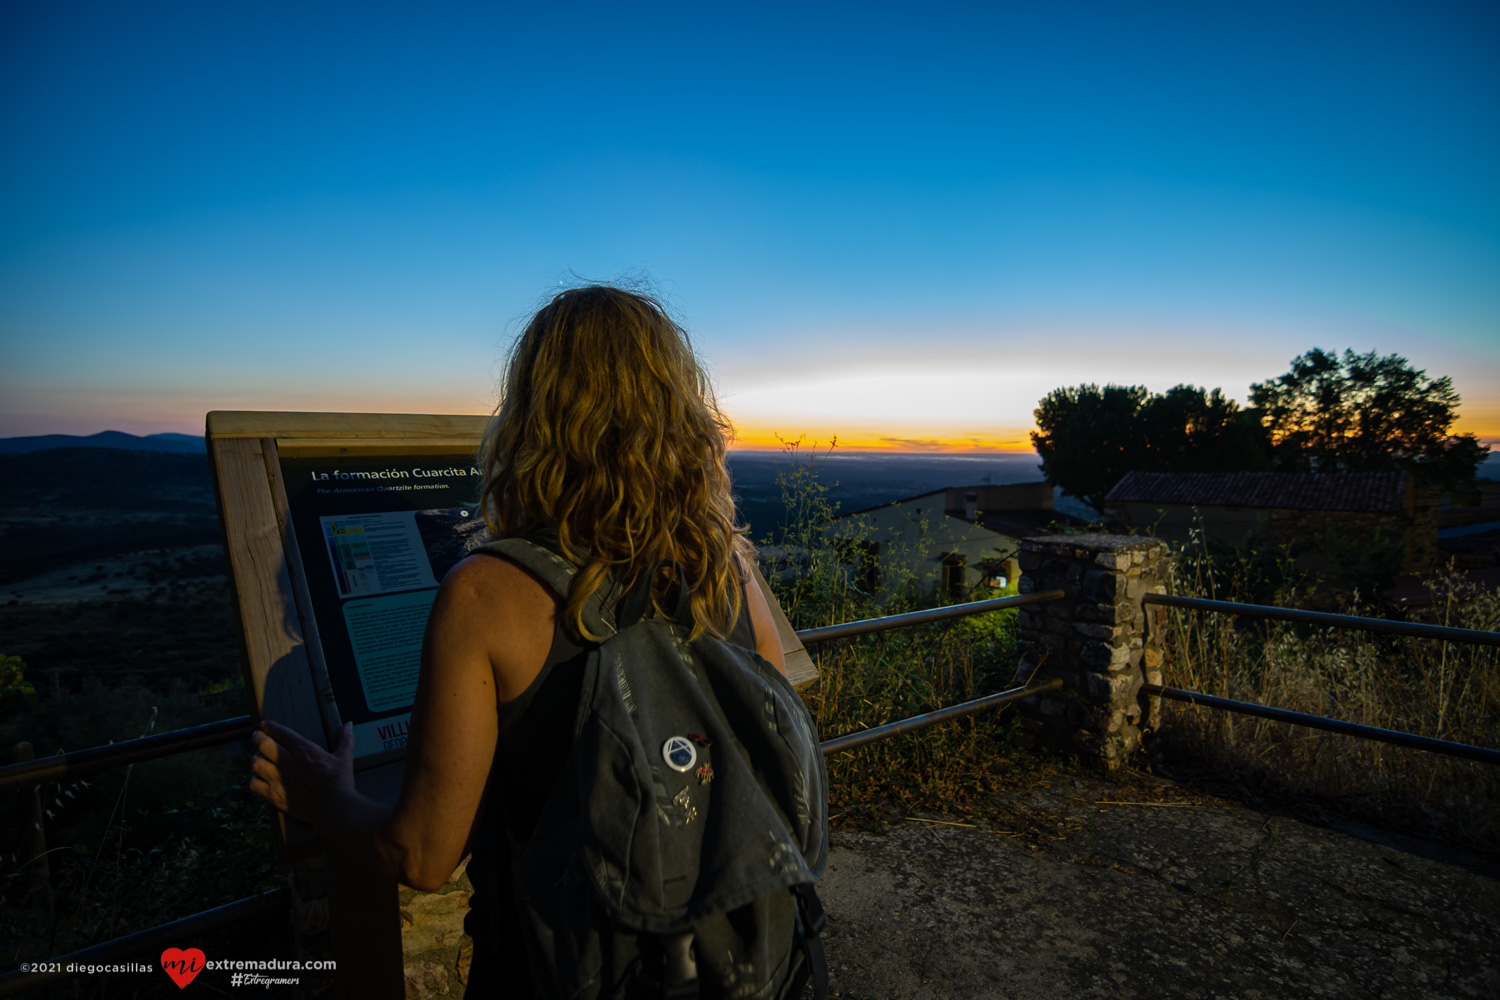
(849, 629)
(1383, 626)
(1482, 754)
(852, 740)
(868, 625)
(81, 762)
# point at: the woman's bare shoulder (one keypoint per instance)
(500, 589)
(482, 569)
(505, 611)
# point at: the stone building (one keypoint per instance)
(1305, 511)
(950, 540)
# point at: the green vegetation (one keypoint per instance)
(874, 679)
(1355, 413)
(1366, 413)
(1088, 437)
(14, 687)
(1447, 691)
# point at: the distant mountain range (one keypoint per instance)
(117, 440)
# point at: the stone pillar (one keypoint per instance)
(1099, 639)
(435, 952)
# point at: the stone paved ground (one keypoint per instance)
(1190, 897)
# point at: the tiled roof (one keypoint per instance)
(1367, 492)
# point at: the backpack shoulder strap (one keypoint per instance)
(559, 573)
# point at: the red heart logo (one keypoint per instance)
(183, 966)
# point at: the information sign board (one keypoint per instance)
(339, 528)
(377, 534)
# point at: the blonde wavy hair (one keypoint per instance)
(607, 435)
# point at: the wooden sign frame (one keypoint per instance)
(282, 650)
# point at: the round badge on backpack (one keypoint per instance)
(679, 753)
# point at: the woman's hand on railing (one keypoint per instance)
(296, 775)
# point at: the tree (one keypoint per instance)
(1088, 437)
(1365, 413)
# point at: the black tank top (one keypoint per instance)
(536, 734)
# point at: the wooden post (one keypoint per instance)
(366, 923)
(265, 578)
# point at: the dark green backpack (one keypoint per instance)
(677, 852)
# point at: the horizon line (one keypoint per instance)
(761, 442)
(747, 443)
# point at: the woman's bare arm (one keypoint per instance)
(487, 638)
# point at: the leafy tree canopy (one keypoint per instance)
(1089, 437)
(1365, 413)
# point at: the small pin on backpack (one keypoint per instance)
(677, 852)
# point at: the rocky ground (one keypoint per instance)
(1150, 889)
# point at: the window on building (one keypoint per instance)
(953, 574)
(995, 574)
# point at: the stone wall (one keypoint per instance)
(1314, 535)
(1099, 639)
(435, 952)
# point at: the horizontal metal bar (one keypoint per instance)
(150, 943)
(81, 762)
(847, 629)
(1482, 754)
(1382, 625)
(853, 740)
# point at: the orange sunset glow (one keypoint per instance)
(751, 437)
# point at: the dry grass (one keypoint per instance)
(879, 679)
(1448, 691)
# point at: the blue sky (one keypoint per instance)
(899, 225)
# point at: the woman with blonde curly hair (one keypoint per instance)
(607, 444)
